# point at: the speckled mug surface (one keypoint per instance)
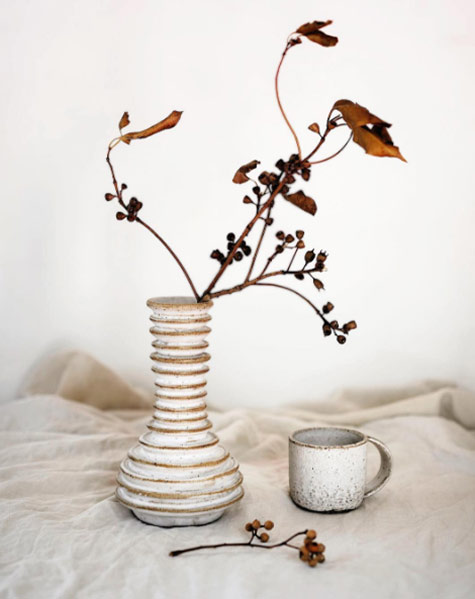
(327, 468)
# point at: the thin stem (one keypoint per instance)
(336, 153)
(178, 261)
(322, 137)
(247, 544)
(319, 145)
(276, 81)
(144, 224)
(292, 259)
(312, 305)
(256, 280)
(258, 247)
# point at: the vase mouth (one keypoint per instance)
(178, 302)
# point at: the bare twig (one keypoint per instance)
(258, 247)
(276, 83)
(336, 153)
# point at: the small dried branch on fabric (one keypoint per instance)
(310, 551)
(288, 259)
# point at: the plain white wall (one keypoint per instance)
(400, 236)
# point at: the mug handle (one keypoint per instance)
(378, 482)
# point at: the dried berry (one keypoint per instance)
(285, 190)
(341, 339)
(309, 256)
(256, 524)
(120, 215)
(318, 284)
(247, 200)
(299, 276)
(238, 256)
(322, 256)
(305, 174)
(299, 234)
(264, 537)
(248, 527)
(109, 196)
(265, 178)
(279, 249)
(328, 307)
(246, 250)
(349, 326)
(268, 525)
(280, 164)
(300, 244)
(230, 237)
(327, 330)
(269, 221)
(280, 235)
(289, 179)
(334, 324)
(311, 534)
(289, 238)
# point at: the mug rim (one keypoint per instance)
(362, 441)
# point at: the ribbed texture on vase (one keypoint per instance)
(178, 474)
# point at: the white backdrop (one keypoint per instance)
(400, 236)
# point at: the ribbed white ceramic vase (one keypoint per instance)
(178, 474)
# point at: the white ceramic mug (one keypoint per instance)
(327, 468)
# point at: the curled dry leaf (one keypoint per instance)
(375, 140)
(124, 121)
(167, 123)
(356, 115)
(241, 173)
(302, 201)
(312, 31)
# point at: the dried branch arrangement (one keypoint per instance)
(310, 551)
(291, 258)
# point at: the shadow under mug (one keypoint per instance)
(327, 468)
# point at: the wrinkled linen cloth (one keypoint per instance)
(64, 535)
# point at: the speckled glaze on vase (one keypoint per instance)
(327, 468)
(178, 474)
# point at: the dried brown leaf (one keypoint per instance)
(124, 121)
(302, 201)
(312, 27)
(376, 141)
(167, 123)
(241, 174)
(312, 31)
(356, 115)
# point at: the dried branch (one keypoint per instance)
(367, 130)
(310, 552)
(119, 192)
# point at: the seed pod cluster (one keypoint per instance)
(311, 551)
(244, 250)
(255, 526)
(132, 208)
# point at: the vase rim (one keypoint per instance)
(178, 302)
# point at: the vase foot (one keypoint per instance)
(172, 520)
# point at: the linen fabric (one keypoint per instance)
(64, 535)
